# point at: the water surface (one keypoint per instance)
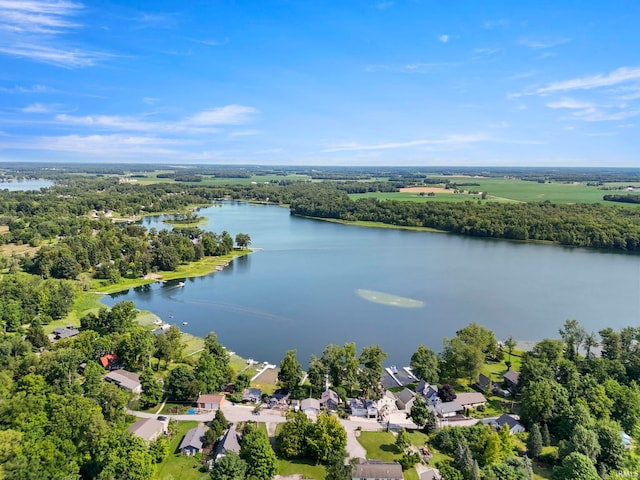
(313, 283)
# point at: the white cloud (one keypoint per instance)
(37, 16)
(538, 44)
(570, 103)
(36, 108)
(52, 56)
(451, 140)
(490, 24)
(228, 115)
(32, 89)
(384, 5)
(620, 75)
(443, 38)
(416, 67)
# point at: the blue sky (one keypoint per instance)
(386, 82)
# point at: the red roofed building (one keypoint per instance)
(110, 361)
(210, 402)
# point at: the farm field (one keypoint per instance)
(209, 180)
(509, 190)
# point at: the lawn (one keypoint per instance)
(381, 446)
(308, 468)
(177, 466)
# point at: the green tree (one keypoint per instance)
(424, 365)
(151, 389)
(243, 380)
(256, 451)
(612, 452)
(159, 449)
(336, 468)
(229, 467)
(402, 440)
(510, 345)
(291, 441)
(290, 373)
(243, 240)
(37, 337)
(534, 442)
(546, 438)
(371, 371)
(575, 467)
(573, 335)
(542, 401)
(181, 384)
(422, 416)
(326, 436)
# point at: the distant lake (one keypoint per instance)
(313, 283)
(25, 185)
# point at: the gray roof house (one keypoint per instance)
(514, 425)
(230, 443)
(329, 400)
(471, 399)
(511, 379)
(124, 379)
(404, 399)
(378, 470)
(192, 441)
(61, 333)
(148, 429)
(252, 395)
(356, 407)
(484, 382)
(429, 392)
(310, 406)
(448, 409)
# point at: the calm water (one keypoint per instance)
(301, 289)
(25, 185)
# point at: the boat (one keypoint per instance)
(181, 284)
(185, 323)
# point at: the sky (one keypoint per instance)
(318, 82)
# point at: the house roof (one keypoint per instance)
(405, 395)
(280, 394)
(508, 420)
(310, 403)
(230, 442)
(378, 469)
(483, 381)
(512, 377)
(210, 398)
(123, 379)
(65, 332)
(431, 474)
(147, 428)
(193, 438)
(252, 393)
(470, 398)
(448, 407)
(355, 403)
(329, 396)
(108, 359)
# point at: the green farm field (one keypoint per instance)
(511, 190)
(208, 180)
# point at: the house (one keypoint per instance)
(192, 441)
(471, 400)
(448, 409)
(310, 406)
(210, 402)
(484, 383)
(110, 361)
(392, 377)
(387, 403)
(329, 400)
(428, 392)
(405, 399)
(511, 380)
(229, 443)
(252, 395)
(279, 398)
(148, 429)
(126, 380)
(378, 470)
(356, 407)
(431, 474)
(295, 404)
(61, 333)
(514, 425)
(626, 440)
(372, 409)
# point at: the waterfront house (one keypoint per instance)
(192, 441)
(356, 407)
(280, 398)
(405, 399)
(210, 402)
(124, 379)
(61, 333)
(329, 400)
(387, 403)
(252, 395)
(148, 429)
(378, 470)
(428, 392)
(484, 383)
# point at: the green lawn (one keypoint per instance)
(306, 467)
(381, 446)
(177, 466)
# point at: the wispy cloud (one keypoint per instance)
(541, 44)
(620, 75)
(451, 140)
(32, 29)
(415, 67)
(384, 5)
(491, 24)
(570, 103)
(40, 108)
(30, 89)
(211, 42)
(227, 115)
(592, 112)
(444, 38)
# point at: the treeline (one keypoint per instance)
(583, 225)
(631, 198)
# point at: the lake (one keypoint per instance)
(312, 283)
(25, 185)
